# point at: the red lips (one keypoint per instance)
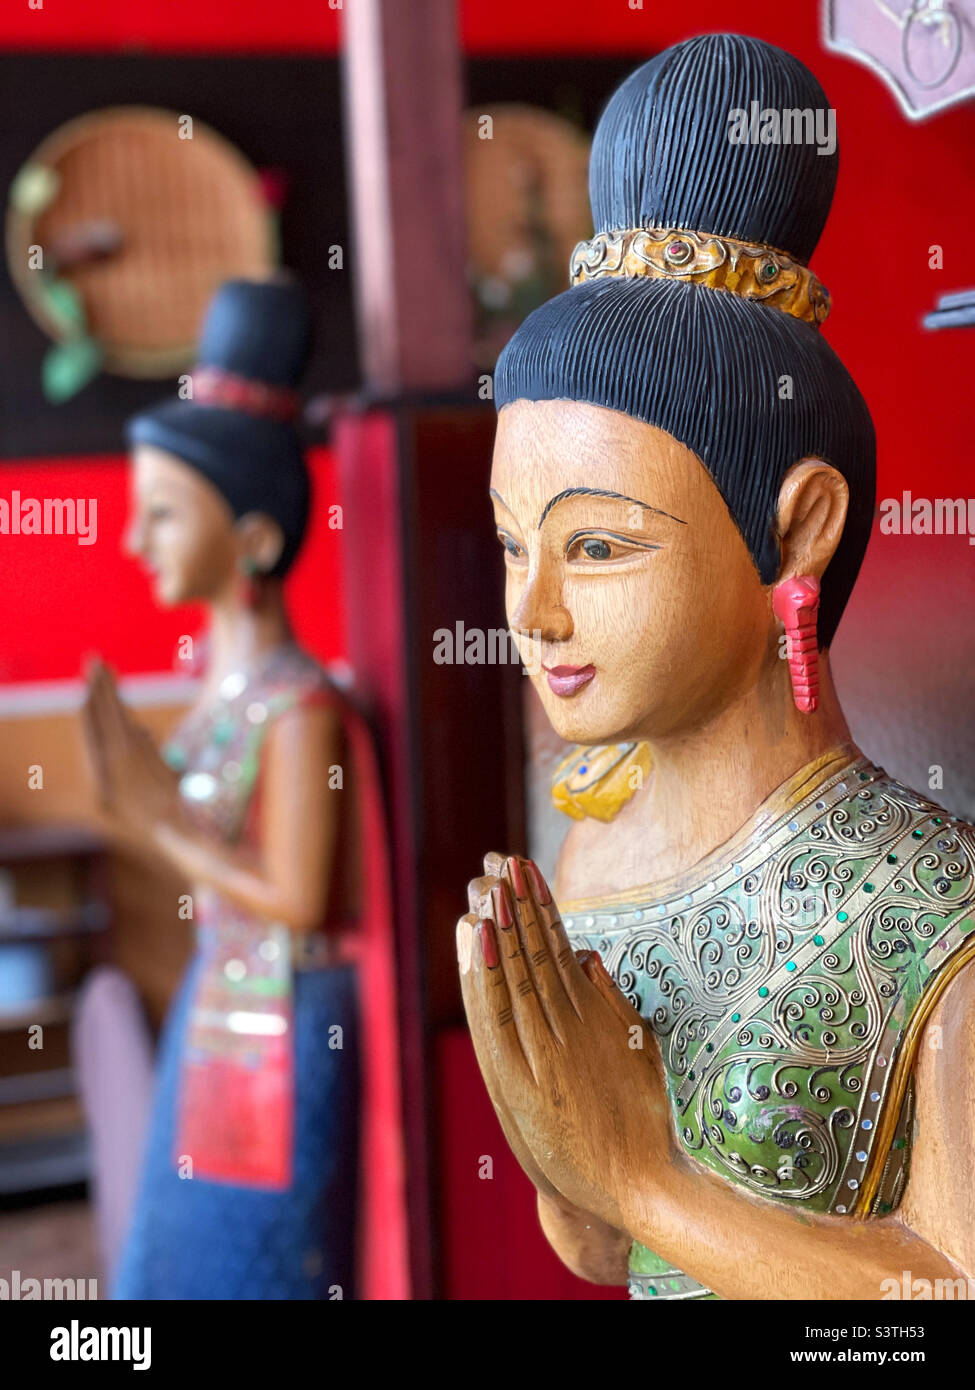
(566, 680)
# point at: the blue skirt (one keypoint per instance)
(193, 1239)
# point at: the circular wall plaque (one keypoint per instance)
(138, 214)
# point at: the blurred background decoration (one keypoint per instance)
(956, 310)
(527, 173)
(923, 49)
(161, 218)
(120, 226)
(53, 916)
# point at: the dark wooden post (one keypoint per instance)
(414, 459)
(403, 138)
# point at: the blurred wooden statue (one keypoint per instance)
(267, 800)
(735, 1052)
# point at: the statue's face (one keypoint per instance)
(648, 612)
(181, 528)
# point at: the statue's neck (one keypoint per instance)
(704, 785)
(707, 782)
(240, 636)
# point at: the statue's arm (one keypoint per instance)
(939, 1203)
(288, 879)
(588, 1246)
(554, 1036)
(747, 1248)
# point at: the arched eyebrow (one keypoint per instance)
(602, 492)
(590, 492)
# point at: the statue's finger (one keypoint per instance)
(479, 895)
(540, 946)
(494, 864)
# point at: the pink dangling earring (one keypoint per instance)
(796, 603)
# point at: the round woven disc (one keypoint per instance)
(190, 214)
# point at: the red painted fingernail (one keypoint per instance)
(597, 964)
(517, 879)
(489, 944)
(540, 888)
(503, 908)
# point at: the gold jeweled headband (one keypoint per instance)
(721, 263)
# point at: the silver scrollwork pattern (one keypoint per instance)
(779, 991)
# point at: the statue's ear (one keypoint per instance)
(260, 539)
(813, 502)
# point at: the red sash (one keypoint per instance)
(383, 1234)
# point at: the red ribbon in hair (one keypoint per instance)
(214, 386)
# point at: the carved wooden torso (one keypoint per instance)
(788, 991)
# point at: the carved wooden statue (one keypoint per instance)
(708, 1052)
(266, 799)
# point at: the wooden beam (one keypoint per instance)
(402, 84)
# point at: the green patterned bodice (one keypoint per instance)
(788, 993)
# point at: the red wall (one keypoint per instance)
(172, 26)
(62, 600)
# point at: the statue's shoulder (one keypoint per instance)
(911, 931)
(930, 852)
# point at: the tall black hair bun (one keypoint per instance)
(663, 156)
(259, 329)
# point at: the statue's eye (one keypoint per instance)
(596, 549)
(510, 545)
(609, 547)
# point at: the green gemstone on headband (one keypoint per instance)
(736, 1018)
(892, 859)
(868, 887)
(709, 1047)
(938, 820)
(842, 916)
(762, 991)
(818, 940)
(919, 834)
(899, 1143)
(691, 1076)
(790, 965)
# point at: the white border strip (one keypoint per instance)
(66, 696)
